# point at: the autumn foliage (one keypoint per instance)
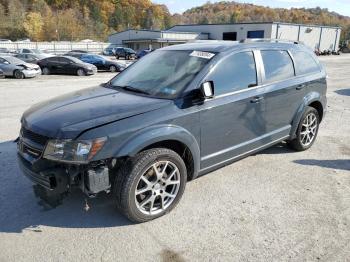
(48, 20)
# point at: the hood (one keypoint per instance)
(28, 65)
(68, 115)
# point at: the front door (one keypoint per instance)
(232, 123)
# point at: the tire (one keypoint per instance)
(45, 71)
(113, 69)
(81, 72)
(18, 74)
(154, 198)
(307, 130)
(117, 57)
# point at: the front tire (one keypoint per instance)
(113, 69)
(81, 72)
(18, 74)
(150, 185)
(307, 130)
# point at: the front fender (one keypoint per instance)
(159, 133)
(308, 99)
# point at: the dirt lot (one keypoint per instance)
(277, 205)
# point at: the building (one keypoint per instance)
(314, 36)
(151, 39)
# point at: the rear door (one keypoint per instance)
(283, 93)
(232, 122)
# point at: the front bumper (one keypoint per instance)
(91, 71)
(31, 73)
(53, 179)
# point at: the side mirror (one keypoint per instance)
(207, 89)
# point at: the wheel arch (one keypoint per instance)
(174, 138)
(314, 100)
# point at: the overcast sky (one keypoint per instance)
(339, 6)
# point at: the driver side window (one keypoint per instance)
(234, 73)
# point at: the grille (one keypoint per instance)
(36, 138)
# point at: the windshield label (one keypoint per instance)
(201, 54)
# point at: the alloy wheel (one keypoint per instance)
(112, 69)
(81, 72)
(308, 129)
(157, 187)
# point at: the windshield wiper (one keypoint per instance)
(133, 89)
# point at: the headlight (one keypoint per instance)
(73, 151)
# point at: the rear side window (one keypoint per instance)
(278, 65)
(235, 73)
(304, 63)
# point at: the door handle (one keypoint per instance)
(256, 99)
(299, 87)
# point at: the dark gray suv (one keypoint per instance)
(178, 113)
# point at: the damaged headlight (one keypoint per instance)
(73, 151)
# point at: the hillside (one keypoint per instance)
(47, 20)
(232, 12)
(77, 19)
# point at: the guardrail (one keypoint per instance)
(56, 47)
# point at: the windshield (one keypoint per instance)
(13, 60)
(163, 74)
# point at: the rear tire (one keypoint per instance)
(45, 71)
(150, 184)
(307, 130)
(81, 72)
(18, 74)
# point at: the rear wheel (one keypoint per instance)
(18, 74)
(150, 184)
(81, 72)
(45, 71)
(307, 130)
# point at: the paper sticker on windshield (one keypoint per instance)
(201, 54)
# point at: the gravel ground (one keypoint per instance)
(277, 205)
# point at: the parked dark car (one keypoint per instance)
(102, 63)
(144, 52)
(66, 65)
(109, 51)
(30, 58)
(126, 53)
(176, 114)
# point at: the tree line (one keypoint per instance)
(57, 20)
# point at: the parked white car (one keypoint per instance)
(12, 66)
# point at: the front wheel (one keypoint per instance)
(19, 75)
(113, 69)
(150, 184)
(81, 72)
(307, 130)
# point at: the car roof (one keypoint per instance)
(223, 46)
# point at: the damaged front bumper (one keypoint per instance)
(54, 180)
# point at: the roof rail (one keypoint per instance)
(269, 40)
